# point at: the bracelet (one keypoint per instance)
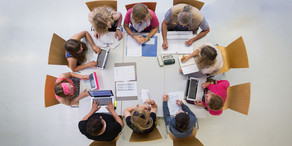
(148, 37)
(118, 28)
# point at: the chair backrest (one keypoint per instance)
(50, 98)
(153, 135)
(105, 143)
(238, 98)
(150, 5)
(234, 55)
(194, 3)
(190, 140)
(57, 51)
(98, 3)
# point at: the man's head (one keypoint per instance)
(182, 121)
(95, 125)
(185, 16)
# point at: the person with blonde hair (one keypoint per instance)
(214, 96)
(141, 19)
(183, 17)
(75, 51)
(208, 59)
(67, 88)
(141, 118)
(105, 19)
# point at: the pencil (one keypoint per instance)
(183, 57)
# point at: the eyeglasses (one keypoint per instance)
(137, 114)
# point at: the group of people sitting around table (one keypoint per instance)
(142, 118)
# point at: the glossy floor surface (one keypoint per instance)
(26, 29)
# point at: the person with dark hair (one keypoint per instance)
(67, 88)
(208, 59)
(183, 17)
(184, 121)
(75, 51)
(101, 126)
(214, 97)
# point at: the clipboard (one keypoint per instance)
(135, 69)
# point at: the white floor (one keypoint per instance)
(26, 28)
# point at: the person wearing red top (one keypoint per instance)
(214, 97)
(141, 19)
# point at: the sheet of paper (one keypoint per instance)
(189, 66)
(173, 107)
(151, 41)
(176, 43)
(126, 89)
(133, 48)
(124, 73)
(144, 95)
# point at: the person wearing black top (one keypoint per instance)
(101, 126)
(141, 118)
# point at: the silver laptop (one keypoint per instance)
(102, 96)
(192, 89)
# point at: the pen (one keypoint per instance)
(183, 57)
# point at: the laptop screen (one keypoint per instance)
(100, 93)
(193, 86)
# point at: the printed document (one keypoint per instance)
(125, 89)
(176, 42)
(173, 107)
(124, 73)
(133, 47)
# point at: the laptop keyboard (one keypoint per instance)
(193, 88)
(103, 101)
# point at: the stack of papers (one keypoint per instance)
(173, 107)
(189, 66)
(106, 40)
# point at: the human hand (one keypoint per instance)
(199, 103)
(165, 97)
(205, 85)
(118, 34)
(165, 45)
(96, 35)
(96, 49)
(184, 59)
(84, 77)
(189, 42)
(84, 93)
(95, 106)
(139, 39)
(144, 106)
(179, 102)
(110, 107)
(92, 64)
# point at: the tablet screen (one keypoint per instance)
(100, 93)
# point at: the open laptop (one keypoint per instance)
(102, 96)
(102, 58)
(193, 88)
(93, 81)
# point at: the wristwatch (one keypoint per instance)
(118, 28)
(148, 37)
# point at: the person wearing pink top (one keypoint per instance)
(215, 96)
(67, 88)
(141, 19)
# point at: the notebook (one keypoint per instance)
(189, 66)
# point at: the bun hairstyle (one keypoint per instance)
(59, 89)
(73, 47)
(139, 12)
(94, 126)
(100, 18)
(215, 102)
(207, 57)
(185, 16)
(139, 118)
(182, 121)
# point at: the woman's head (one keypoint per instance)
(140, 13)
(214, 101)
(141, 119)
(63, 89)
(207, 57)
(185, 16)
(75, 48)
(95, 125)
(182, 121)
(102, 19)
